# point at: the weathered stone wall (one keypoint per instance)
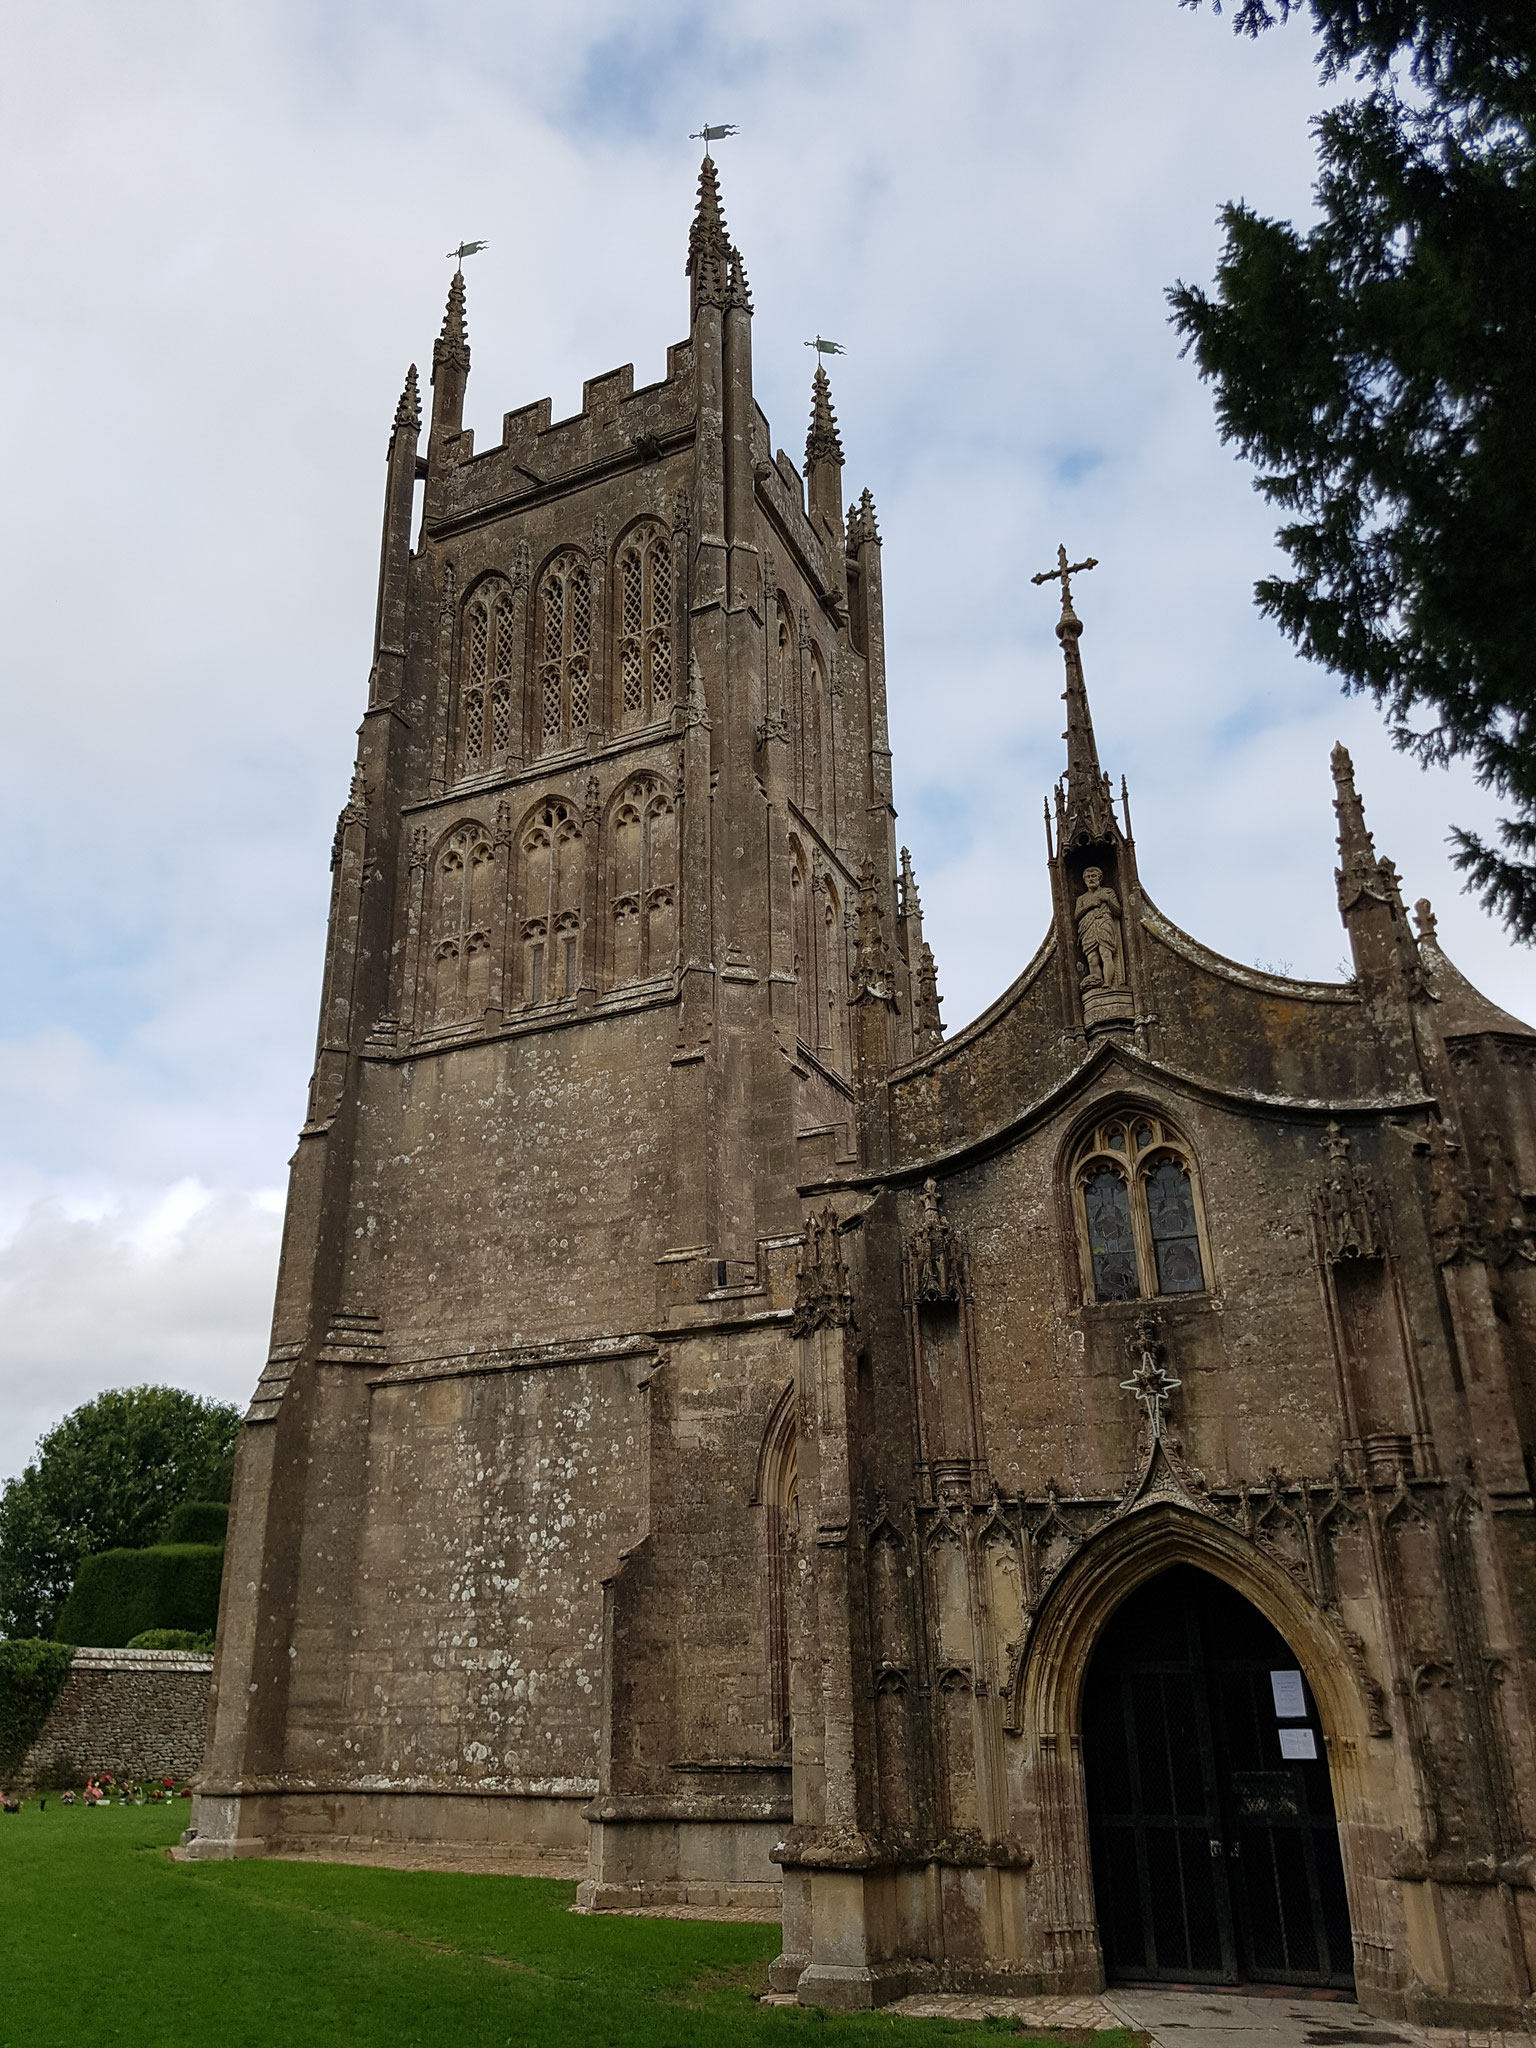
(135, 1713)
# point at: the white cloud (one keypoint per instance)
(231, 223)
(172, 1287)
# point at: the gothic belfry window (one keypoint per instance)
(1136, 1195)
(472, 706)
(802, 913)
(487, 685)
(551, 853)
(643, 594)
(463, 912)
(818, 741)
(835, 955)
(563, 665)
(643, 873)
(793, 699)
(503, 680)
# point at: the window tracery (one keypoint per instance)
(503, 680)
(462, 914)
(805, 951)
(563, 662)
(487, 723)
(643, 593)
(552, 853)
(644, 881)
(789, 693)
(819, 929)
(1135, 1191)
(835, 956)
(818, 708)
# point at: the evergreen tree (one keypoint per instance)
(107, 1477)
(1380, 370)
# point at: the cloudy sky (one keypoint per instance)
(223, 245)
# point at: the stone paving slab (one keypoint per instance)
(1201, 2019)
(1218, 2019)
(1080, 2015)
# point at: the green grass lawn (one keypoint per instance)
(104, 1939)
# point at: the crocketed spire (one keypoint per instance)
(862, 526)
(871, 961)
(1370, 896)
(452, 345)
(408, 411)
(709, 246)
(1357, 849)
(714, 265)
(823, 443)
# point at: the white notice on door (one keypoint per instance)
(1290, 1700)
(1298, 1745)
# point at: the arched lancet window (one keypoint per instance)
(643, 873)
(779, 1491)
(1135, 1190)
(551, 852)
(787, 688)
(801, 915)
(818, 732)
(835, 974)
(643, 594)
(463, 888)
(563, 664)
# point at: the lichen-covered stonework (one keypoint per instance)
(711, 1415)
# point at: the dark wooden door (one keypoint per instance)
(1215, 1848)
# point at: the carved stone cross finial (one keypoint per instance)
(1063, 573)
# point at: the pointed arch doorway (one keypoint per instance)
(1211, 1822)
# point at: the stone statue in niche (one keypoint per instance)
(933, 1262)
(1097, 912)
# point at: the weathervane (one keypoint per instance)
(823, 347)
(1151, 1383)
(1063, 573)
(466, 249)
(712, 133)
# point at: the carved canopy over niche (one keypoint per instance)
(1136, 1201)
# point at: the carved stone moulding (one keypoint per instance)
(953, 1478)
(1387, 1456)
(1108, 1006)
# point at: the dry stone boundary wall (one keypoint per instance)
(135, 1713)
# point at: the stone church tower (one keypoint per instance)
(1047, 1501)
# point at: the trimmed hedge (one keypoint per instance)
(171, 1639)
(31, 1674)
(197, 1521)
(119, 1594)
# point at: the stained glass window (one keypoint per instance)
(1107, 1201)
(1175, 1240)
(1143, 1227)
